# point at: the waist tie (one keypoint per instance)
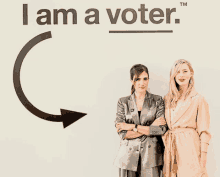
(170, 161)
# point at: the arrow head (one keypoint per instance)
(69, 117)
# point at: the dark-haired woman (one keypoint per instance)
(140, 123)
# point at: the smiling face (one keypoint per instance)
(183, 75)
(141, 82)
(181, 82)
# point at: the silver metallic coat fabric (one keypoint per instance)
(147, 147)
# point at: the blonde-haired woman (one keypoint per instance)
(187, 115)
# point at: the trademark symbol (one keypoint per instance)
(183, 3)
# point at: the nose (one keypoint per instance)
(181, 74)
(142, 82)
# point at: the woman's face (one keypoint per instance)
(141, 83)
(183, 75)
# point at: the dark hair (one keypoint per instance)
(136, 71)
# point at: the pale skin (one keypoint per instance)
(182, 78)
(141, 86)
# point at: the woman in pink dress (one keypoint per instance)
(187, 115)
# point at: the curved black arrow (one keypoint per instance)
(67, 117)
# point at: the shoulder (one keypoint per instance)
(202, 104)
(166, 96)
(197, 96)
(166, 99)
(155, 97)
(201, 98)
(124, 99)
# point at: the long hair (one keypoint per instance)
(135, 72)
(173, 95)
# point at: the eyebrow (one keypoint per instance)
(143, 77)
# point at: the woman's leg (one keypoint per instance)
(129, 173)
(126, 173)
(151, 172)
(187, 154)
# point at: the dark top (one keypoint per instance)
(139, 113)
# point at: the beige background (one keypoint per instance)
(84, 68)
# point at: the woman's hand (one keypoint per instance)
(159, 121)
(124, 126)
(203, 159)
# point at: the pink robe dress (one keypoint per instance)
(187, 137)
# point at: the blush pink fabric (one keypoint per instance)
(187, 136)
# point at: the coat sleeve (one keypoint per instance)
(120, 117)
(160, 112)
(203, 122)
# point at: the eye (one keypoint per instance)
(137, 79)
(145, 78)
(185, 71)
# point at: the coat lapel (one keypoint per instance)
(182, 109)
(147, 101)
(133, 109)
(146, 106)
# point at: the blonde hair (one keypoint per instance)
(173, 95)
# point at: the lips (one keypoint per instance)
(181, 80)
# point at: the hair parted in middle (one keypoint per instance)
(135, 72)
(173, 95)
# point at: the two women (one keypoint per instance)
(187, 117)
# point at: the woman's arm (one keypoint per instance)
(124, 130)
(158, 127)
(142, 130)
(129, 128)
(132, 135)
(120, 117)
(203, 121)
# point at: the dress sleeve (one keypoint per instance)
(160, 111)
(203, 122)
(120, 117)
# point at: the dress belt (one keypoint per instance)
(170, 161)
(177, 130)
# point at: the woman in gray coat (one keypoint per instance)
(140, 123)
